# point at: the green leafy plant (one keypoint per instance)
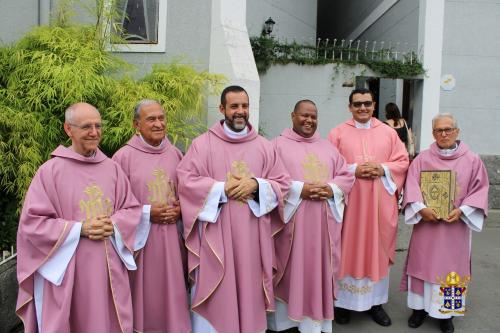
(268, 51)
(52, 67)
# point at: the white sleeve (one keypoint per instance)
(210, 212)
(54, 268)
(337, 203)
(473, 217)
(352, 167)
(389, 184)
(267, 199)
(125, 255)
(293, 199)
(411, 212)
(142, 233)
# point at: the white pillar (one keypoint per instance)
(231, 55)
(430, 40)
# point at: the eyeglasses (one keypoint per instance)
(88, 127)
(446, 131)
(367, 104)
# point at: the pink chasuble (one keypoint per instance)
(370, 219)
(308, 247)
(437, 249)
(94, 295)
(231, 260)
(159, 293)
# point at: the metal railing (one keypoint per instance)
(7, 255)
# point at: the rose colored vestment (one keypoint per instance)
(437, 249)
(159, 294)
(370, 220)
(94, 295)
(308, 248)
(230, 261)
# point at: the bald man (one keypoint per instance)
(76, 237)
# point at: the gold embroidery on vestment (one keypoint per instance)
(95, 205)
(314, 170)
(161, 189)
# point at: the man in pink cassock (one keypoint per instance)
(440, 246)
(379, 161)
(76, 237)
(308, 248)
(229, 180)
(159, 294)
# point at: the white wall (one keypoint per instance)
(17, 18)
(283, 85)
(471, 53)
(295, 19)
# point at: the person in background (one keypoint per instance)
(396, 121)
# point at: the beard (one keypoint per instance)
(237, 124)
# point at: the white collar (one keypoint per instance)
(235, 135)
(449, 151)
(363, 125)
(153, 147)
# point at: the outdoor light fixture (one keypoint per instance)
(268, 26)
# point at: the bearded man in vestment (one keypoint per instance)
(308, 247)
(440, 246)
(229, 181)
(76, 237)
(379, 161)
(159, 293)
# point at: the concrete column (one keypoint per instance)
(231, 55)
(430, 40)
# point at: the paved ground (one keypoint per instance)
(483, 300)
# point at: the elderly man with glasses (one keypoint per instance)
(378, 159)
(439, 255)
(76, 236)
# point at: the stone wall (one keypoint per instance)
(9, 322)
(492, 163)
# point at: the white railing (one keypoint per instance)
(7, 255)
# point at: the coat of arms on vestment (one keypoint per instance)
(453, 290)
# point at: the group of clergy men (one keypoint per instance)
(241, 234)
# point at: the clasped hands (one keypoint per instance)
(240, 188)
(369, 170)
(312, 191)
(163, 214)
(98, 228)
(429, 215)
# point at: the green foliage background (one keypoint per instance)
(54, 67)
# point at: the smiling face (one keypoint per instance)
(305, 119)
(84, 128)
(445, 133)
(151, 123)
(362, 107)
(235, 110)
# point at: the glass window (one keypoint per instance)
(139, 21)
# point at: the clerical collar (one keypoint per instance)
(160, 146)
(89, 156)
(234, 135)
(449, 151)
(363, 125)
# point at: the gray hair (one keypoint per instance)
(445, 115)
(141, 104)
(69, 113)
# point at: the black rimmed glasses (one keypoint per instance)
(446, 131)
(358, 104)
